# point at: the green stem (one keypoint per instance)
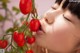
(24, 29)
(27, 17)
(13, 47)
(33, 4)
(5, 35)
(36, 14)
(7, 47)
(11, 42)
(33, 7)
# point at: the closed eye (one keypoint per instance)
(53, 8)
(66, 18)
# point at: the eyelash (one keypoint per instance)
(53, 8)
(66, 18)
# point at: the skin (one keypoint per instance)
(61, 30)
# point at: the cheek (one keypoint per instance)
(62, 28)
(61, 35)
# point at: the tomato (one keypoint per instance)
(21, 43)
(15, 36)
(3, 43)
(20, 37)
(25, 6)
(34, 25)
(30, 40)
(24, 22)
(29, 51)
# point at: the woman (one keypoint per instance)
(60, 28)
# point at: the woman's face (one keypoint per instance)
(60, 30)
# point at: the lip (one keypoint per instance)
(40, 32)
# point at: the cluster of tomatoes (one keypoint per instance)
(27, 7)
(19, 37)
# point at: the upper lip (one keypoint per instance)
(41, 29)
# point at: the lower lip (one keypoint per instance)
(39, 32)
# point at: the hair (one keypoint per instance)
(74, 7)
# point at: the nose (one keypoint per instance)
(51, 15)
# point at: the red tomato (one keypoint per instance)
(34, 25)
(21, 43)
(20, 37)
(24, 22)
(29, 51)
(15, 36)
(3, 43)
(25, 6)
(30, 40)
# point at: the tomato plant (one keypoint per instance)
(21, 35)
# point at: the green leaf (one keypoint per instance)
(22, 28)
(25, 47)
(16, 24)
(1, 18)
(12, 51)
(21, 19)
(26, 32)
(7, 52)
(5, 1)
(4, 5)
(16, 10)
(10, 30)
(20, 50)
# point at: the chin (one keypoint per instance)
(39, 42)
